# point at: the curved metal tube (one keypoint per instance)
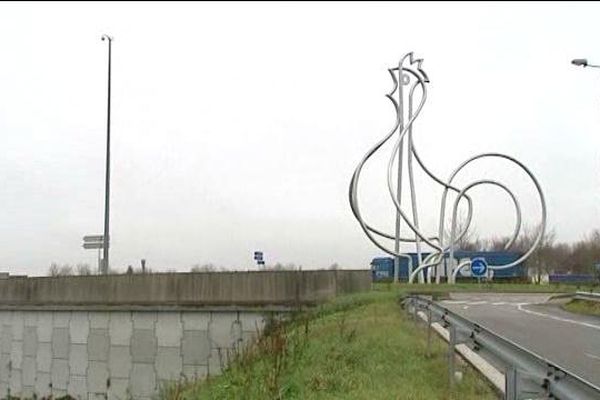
(441, 249)
(472, 185)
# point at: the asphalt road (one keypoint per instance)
(569, 340)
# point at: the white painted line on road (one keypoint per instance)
(592, 356)
(571, 321)
(465, 307)
(477, 303)
(501, 303)
(454, 301)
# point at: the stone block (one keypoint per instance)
(99, 319)
(195, 321)
(98, 344)
(4, 370)
(78, 359)
(30, 341)
(44, 326)
(216, 362)
(6, 339)
(168, 363)
(16, 354)
(119, 389)
(97, 377)
(18, 323)
(44, 357)
(79, 327)
(60, 319)
(195, 347)
(236, 332)
(28, 392)
(119, 362)
(220, 330)
(30, 318)
(42, 384)
(169, 329)
(59, 393)
(78, 387)
(60, 343)
(59, 374)
(143, 381)
(143, 346)
(29, 371)
(144, 319)
(195, 372)
(121, 327)
(16, 384)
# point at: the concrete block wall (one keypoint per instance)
(115, 354)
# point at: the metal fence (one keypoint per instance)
(528, 375)
(587, 296)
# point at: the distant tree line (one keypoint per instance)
(83, 269)
(550, 256)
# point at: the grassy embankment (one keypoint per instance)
(361, 346)
(583, 307)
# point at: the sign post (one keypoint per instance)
(258, 256)
(96, 242)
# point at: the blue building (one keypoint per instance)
(383, 267)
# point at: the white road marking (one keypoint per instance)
(501, 303)
(465, 307)
(539, 314)
(477, 303)
(454, 301)
(592, 356)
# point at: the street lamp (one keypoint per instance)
(107, 182)
(583, 62)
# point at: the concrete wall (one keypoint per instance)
(217, 288)
(122, 336)
(114, 355)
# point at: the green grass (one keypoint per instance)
(583, 307)
(361, 346)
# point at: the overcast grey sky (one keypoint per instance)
(237, 126)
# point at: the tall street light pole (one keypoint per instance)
(107, 183)
(583, 62)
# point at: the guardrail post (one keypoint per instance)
(429, 331)
(510, 385)
(415, 312)
(451, 349)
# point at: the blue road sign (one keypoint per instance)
(478, 267)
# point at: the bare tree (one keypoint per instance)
(84, 269)
(210, 267)
(334, 266)
(469, 241)
(54, 269)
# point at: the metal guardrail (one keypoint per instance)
(528, 375)
(587, 296)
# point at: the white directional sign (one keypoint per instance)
(96, 245)
(479, 267)
(93, 242)
(94, 238)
